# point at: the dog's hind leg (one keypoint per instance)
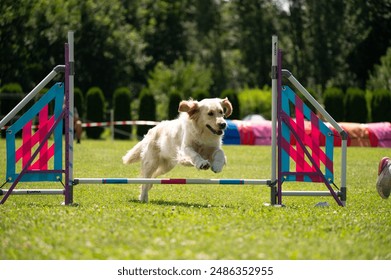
(162, 167)
(144, 192)
(148, 168)
(147, 172)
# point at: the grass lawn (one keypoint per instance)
(197, 221)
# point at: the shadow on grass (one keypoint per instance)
(179, 203)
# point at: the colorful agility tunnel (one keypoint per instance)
(359, 135)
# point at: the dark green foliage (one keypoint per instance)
(355, 105)
(313, 94)
(333, 99)
(146, 112)
(381, 105)
(173, 104)
(79, 102)
(220, 44)
(122, 102)
(200, 94)
(95, 105)
(11, 95)
(233, 98)
(187, 79)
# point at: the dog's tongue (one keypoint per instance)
(219, 132)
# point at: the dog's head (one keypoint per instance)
(208, 113)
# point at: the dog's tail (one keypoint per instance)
(134, 154)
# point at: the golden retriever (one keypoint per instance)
(194, 139)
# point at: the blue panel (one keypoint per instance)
(231, 182)
(114, 181)
(231, 134)
(10, 143)
(56, 93)
(286, 92)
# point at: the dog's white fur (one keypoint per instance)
(194, 139)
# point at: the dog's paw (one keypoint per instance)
(203, 164)
(217, 167)
(143, 199)
(219, 161)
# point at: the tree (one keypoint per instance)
(10, 96)
(297, 27)
(96, 110)
(122, 102)
(380, 105)
(355, 105)
(160, 24)
(79, 102)
(146, 112)
(183, 78)
(376, 16)
(15, 49)
(333, 99)
(255, 26)
(110, 52)
(333, 28)
(173, 105)
(380, 77)
(211, 41)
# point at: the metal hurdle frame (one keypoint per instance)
(275, 183)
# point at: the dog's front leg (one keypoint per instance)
(218, 161)
(197, 159)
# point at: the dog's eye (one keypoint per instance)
(221, 112)
(210, 114)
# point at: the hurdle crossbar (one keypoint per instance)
(171, 181)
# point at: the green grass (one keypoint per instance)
(196, 221)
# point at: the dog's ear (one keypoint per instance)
(227, 107)
(190, 107)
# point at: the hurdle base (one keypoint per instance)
(274, 205)
(308, 193)
(34, 192)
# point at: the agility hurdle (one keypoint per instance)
(312, 163)
(40, 159)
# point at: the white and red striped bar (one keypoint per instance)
(173, 181)
(100, 124)
(104, 124)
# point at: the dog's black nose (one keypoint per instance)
(222, 125)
